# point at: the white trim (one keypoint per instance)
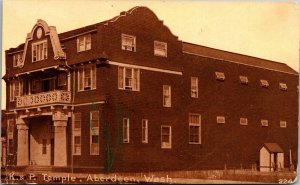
(145, 68)
(239, 63)
(77, 35)
(15, 52)
(42, 69)
(99, 102)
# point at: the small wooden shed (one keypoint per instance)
(271, 157)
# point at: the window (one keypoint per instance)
(194, 87)
(264, 83)
(129, 78)
(94, 132)
(44, 146)
(244, 80)
(144, 131)
(17, 59)
(220, 76)
(282, 86)
(166, 95)
(220, 119)
(15, 89)
(39, 51)
(125, 130)
(77, 134)
(160, 49)
(84, 43)
(282, 124)
(87, 78)
(243, 121)
(194, 129)
(77, 145)
(128, 43)
(264, 123)
(62, 79)
(10, 136)
(166, 136)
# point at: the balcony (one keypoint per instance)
(45, 98)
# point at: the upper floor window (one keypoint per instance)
(194, 87)
(84, 43)
(39, 51)
(264, 83)
(194, 129)
(243, 121)
(283, 86)
(264, 123)
(220, 76)
(160, 49)
(282, 124)
(166, 95)
(87, 78)
(129, 78)
(220, 119)
(16, 88)
(125, 130)
(17, 59)
(128, 42)
(166, 136)
(244, 80)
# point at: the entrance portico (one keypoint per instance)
(42, 138)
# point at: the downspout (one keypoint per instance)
(72, 114)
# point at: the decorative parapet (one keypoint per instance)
(51, 97)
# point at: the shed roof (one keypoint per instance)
(273, 148)
(235, 57)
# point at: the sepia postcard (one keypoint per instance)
(165, 92)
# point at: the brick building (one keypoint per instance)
(127, 95)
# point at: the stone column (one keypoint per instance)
(22, 152)
(60, 138)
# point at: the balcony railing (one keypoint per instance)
(44, 98)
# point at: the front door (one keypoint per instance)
(40, 142)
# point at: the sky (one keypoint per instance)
(264, 29)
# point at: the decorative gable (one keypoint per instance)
(40, 30)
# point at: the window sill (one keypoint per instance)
(129, 90)
(86, 90)
(191, 143)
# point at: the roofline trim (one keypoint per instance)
(239, 63)
(79, 34)
(14, 52)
